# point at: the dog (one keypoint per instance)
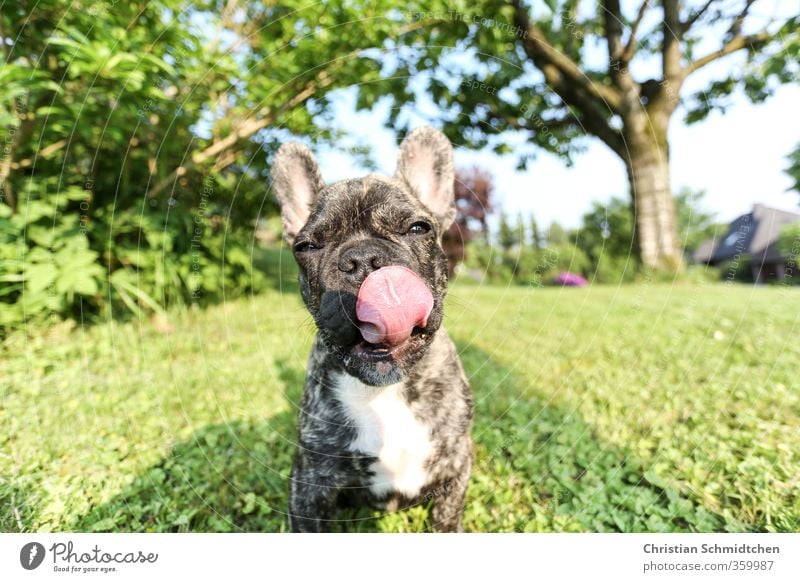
(386, 413)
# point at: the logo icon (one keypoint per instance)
(31, 555)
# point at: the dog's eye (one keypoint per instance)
(304, 247)
(419, 227)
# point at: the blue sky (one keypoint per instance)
(737, 157)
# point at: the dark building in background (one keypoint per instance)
(751, 238)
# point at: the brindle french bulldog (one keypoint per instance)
(386, 414)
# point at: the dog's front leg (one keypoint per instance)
(311, 502)
(448, 503)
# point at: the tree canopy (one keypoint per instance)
(137, 139)
(519, 76)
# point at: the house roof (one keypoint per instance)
(755, 233)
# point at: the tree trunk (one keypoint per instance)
(655, 217)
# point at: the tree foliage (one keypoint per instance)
(474, 189)
(602, 248)
(794, 169)
(508, 235)
(137, 136)
(536, 237)
(695, 224)
(498, 65)
(518, 77)
(789, 246)
(137, 139)
(609, 228)
(556, 234)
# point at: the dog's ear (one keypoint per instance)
(297, 182)
(426, 165)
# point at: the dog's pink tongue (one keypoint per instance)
(391, 301)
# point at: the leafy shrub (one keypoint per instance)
(789, 246)
(614, 269)
(46, 264)
(486, 263)
(53, 265)
(524, 265)
(702, 274)
(557, 258)
(114, 119)
(736, 271)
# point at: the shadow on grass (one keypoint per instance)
(227, 477)
(550, 461)
(16, 509)
(538, 468)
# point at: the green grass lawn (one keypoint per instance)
(640, 408)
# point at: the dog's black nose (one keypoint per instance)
(358, 262)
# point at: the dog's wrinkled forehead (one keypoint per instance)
(423, 182)
(376, 203)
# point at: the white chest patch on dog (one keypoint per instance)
(386, 429)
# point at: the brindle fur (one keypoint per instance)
(369, 217)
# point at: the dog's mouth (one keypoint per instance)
(382, 352)
(385, 329)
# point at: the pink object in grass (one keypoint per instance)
(568, 279)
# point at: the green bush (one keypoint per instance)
(524, 265)
(700, 274)
(738, 271)
(46, 264)
(614, 269)
(55, 264)
(789, 246)
(558, 258)
(115, 118)
(487, 263)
